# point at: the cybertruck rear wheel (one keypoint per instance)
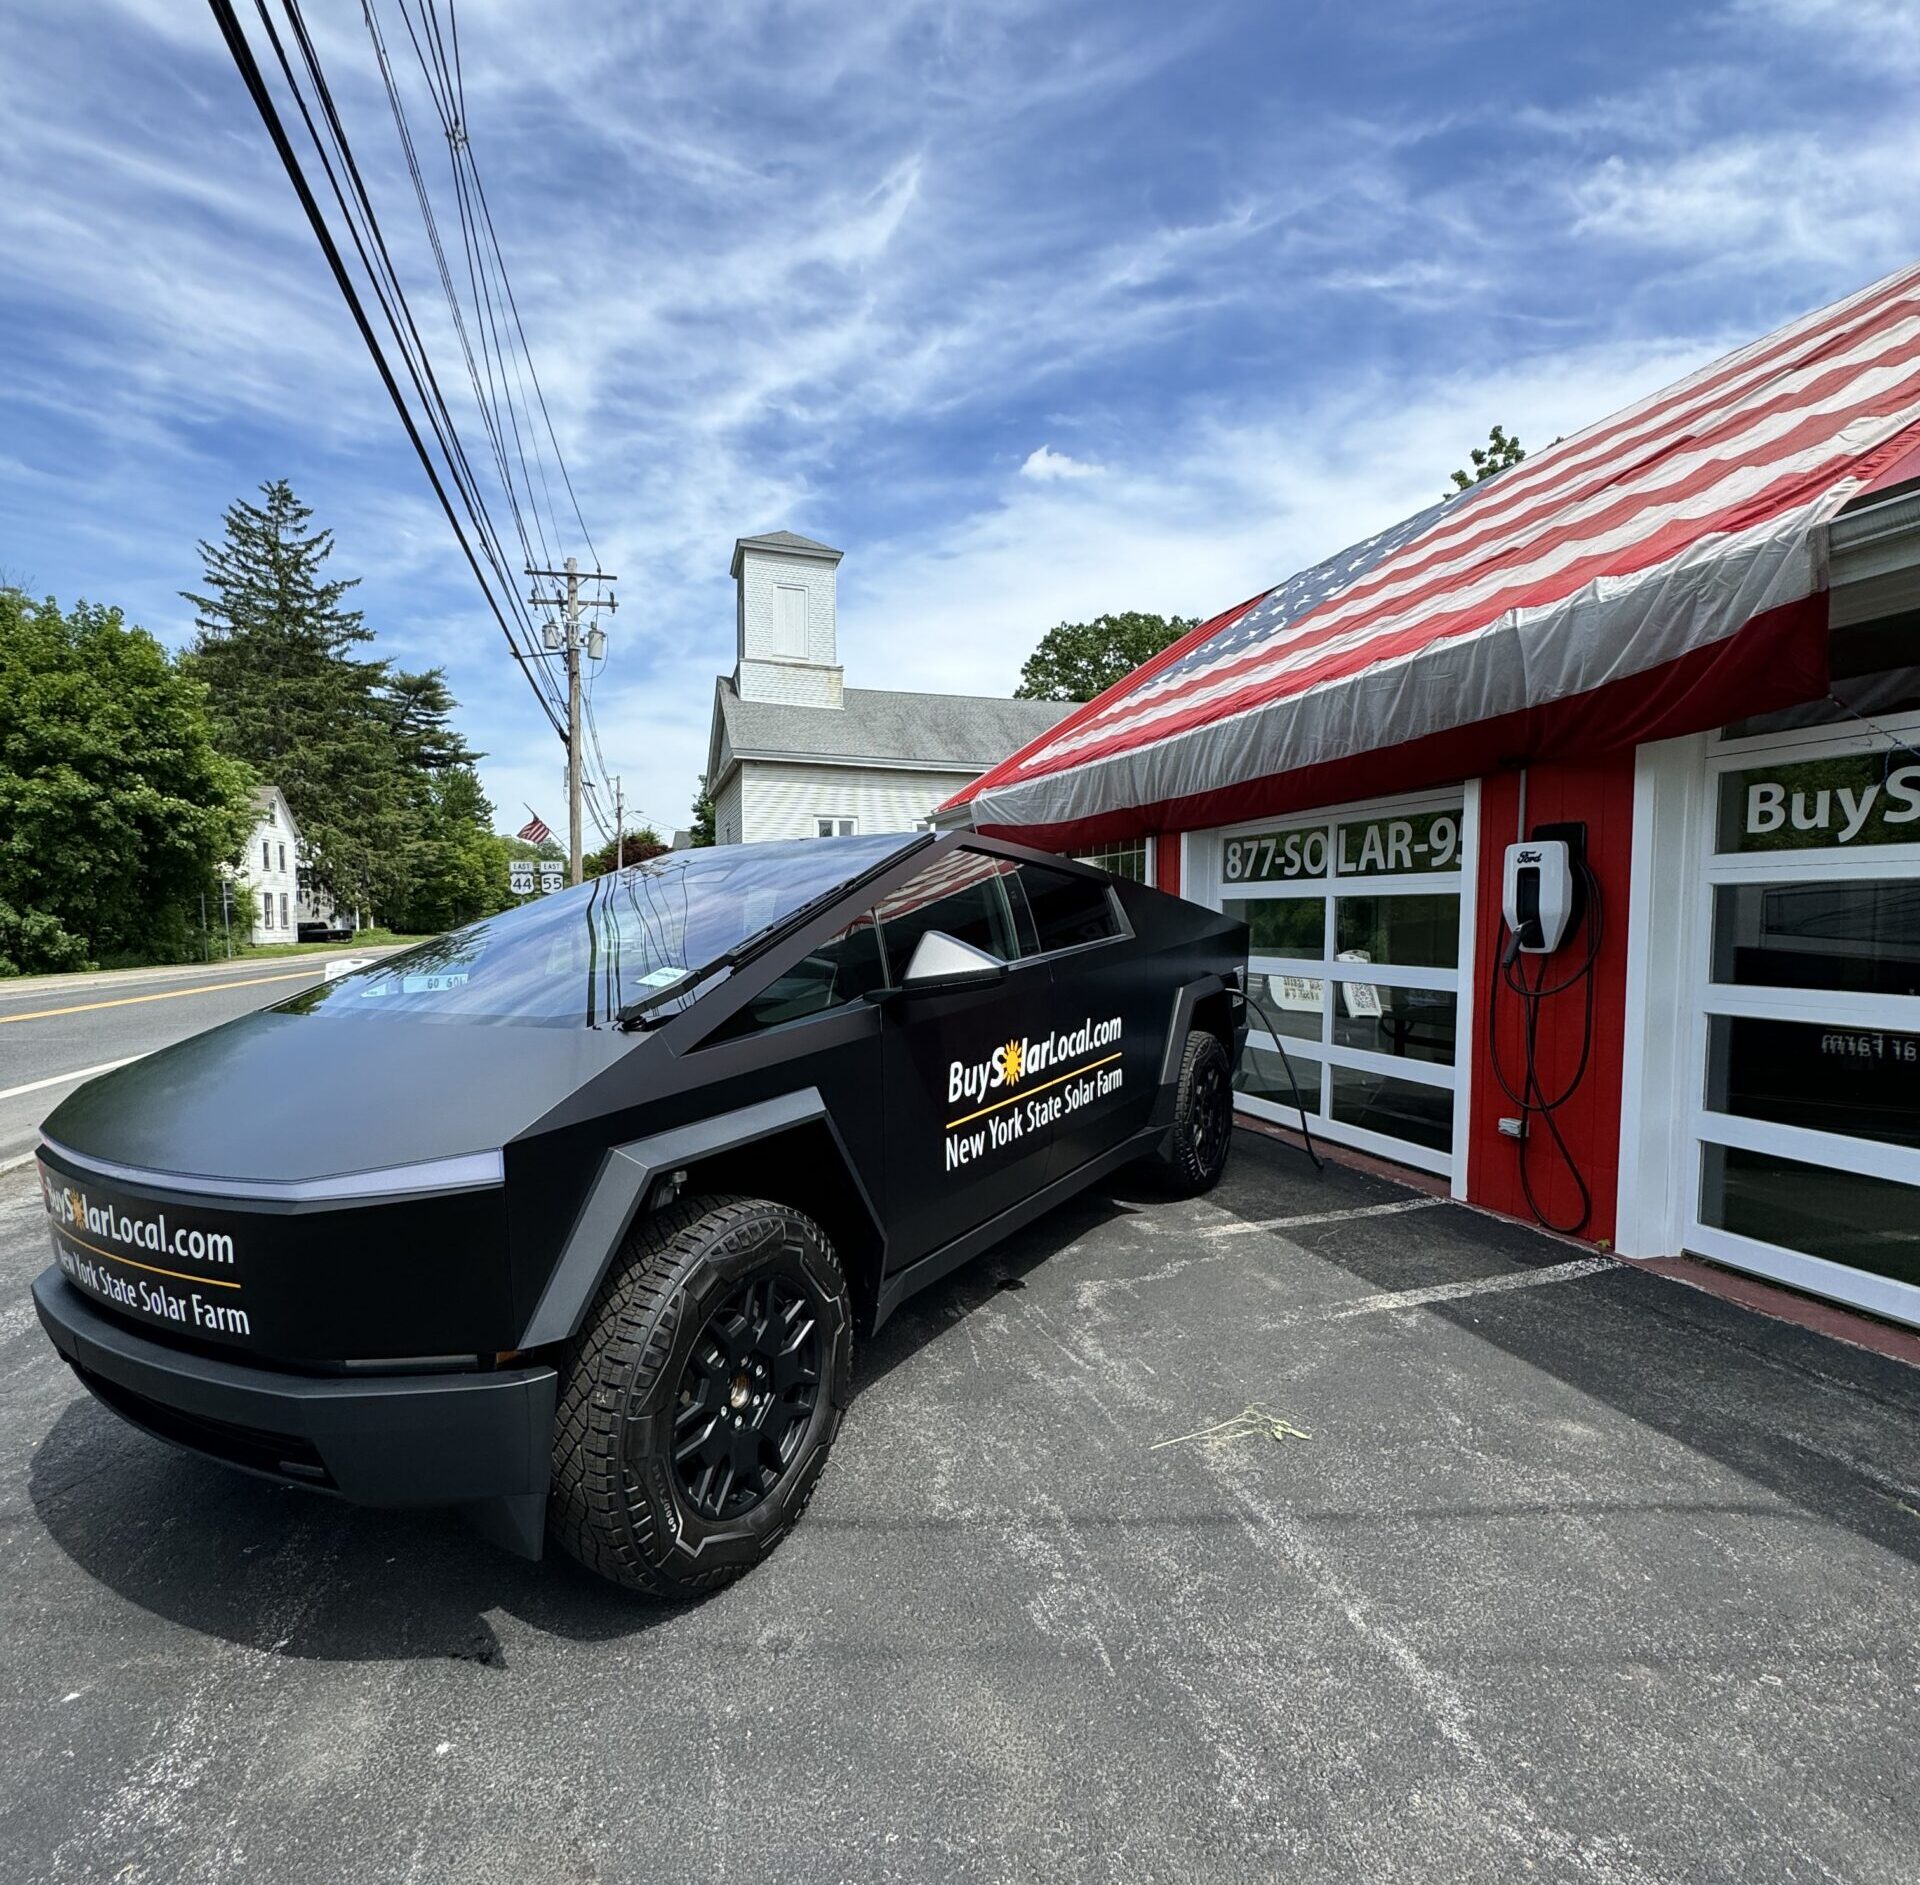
(700, 1397)
(1195, 1153)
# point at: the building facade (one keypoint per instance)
(270, 868)
(1686, 644)
(796, 753)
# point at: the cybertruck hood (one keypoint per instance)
(281, 1098)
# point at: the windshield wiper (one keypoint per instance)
(639, 1012)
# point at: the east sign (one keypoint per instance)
(1415, 844)
(1855, 800)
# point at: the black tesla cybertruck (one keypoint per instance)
(568, 1217)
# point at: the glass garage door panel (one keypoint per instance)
(1847, 1217)
(1282, 926)
(1408, 1023)
(1290, 1005)
(1263, 1075)
(1860, 1082)
(1856, 937)
(1397, 1109)
(1418, 932)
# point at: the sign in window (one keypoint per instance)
(1850, 800)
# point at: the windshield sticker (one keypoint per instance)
(1056, 1074)
(663, 978)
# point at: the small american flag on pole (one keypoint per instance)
(535, 830)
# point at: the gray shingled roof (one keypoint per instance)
(958, 732)
(787, 540)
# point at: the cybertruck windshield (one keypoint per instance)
(581, 955)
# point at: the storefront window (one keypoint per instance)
(1371, 898)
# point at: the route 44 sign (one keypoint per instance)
(520, 878)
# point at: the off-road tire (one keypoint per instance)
(617, 1504)
(1194, 1153)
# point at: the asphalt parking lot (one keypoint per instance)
(1317, 1530)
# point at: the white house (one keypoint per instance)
(796, 753)
(270, 867)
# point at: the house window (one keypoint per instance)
(790, 621)
(835, 827)
(266, 855)
(283, 909)
(283, 857)
(266, 912)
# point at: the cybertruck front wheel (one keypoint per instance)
(1195, 1152)
(699, 1399)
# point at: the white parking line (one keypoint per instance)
(1320, 1217)
(63, 1079)
(1450, 1292)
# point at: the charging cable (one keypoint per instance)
(1306, 1131)
(1531, 1096)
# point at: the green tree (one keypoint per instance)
(287, 695)
(454, 868)
(1490, 459)
(641, 844)
(1077, 660)
(420, 710)
(702, 828)
(116, 810)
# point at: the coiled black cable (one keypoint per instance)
(1531, 1097)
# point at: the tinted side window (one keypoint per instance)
(844, 968)
(964, 895)
(1067, 911)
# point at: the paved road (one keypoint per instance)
(1576, 1575)
(54, 1028)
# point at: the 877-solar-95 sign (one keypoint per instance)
(1415, 844)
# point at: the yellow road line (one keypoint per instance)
(113, 1256)
(1073, 1073)
(167, 994)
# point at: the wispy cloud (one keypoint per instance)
(1252, 277)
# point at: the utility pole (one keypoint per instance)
(619, 828)
(565, 639)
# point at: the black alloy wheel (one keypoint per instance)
(1196, 1148)
(747, 1394)
(700, 1396)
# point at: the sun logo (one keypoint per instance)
(1012, 1059)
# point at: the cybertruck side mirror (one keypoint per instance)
(941, 962)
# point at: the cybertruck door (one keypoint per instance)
(1110, 1004)
(967, 1131)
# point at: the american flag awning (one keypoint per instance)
(1652, 575)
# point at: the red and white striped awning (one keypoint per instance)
(1657, 573)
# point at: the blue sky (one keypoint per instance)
(1034, 310)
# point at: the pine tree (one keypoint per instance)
(287, 695)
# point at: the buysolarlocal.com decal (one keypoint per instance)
(149, 1292)
(1054, 1075)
